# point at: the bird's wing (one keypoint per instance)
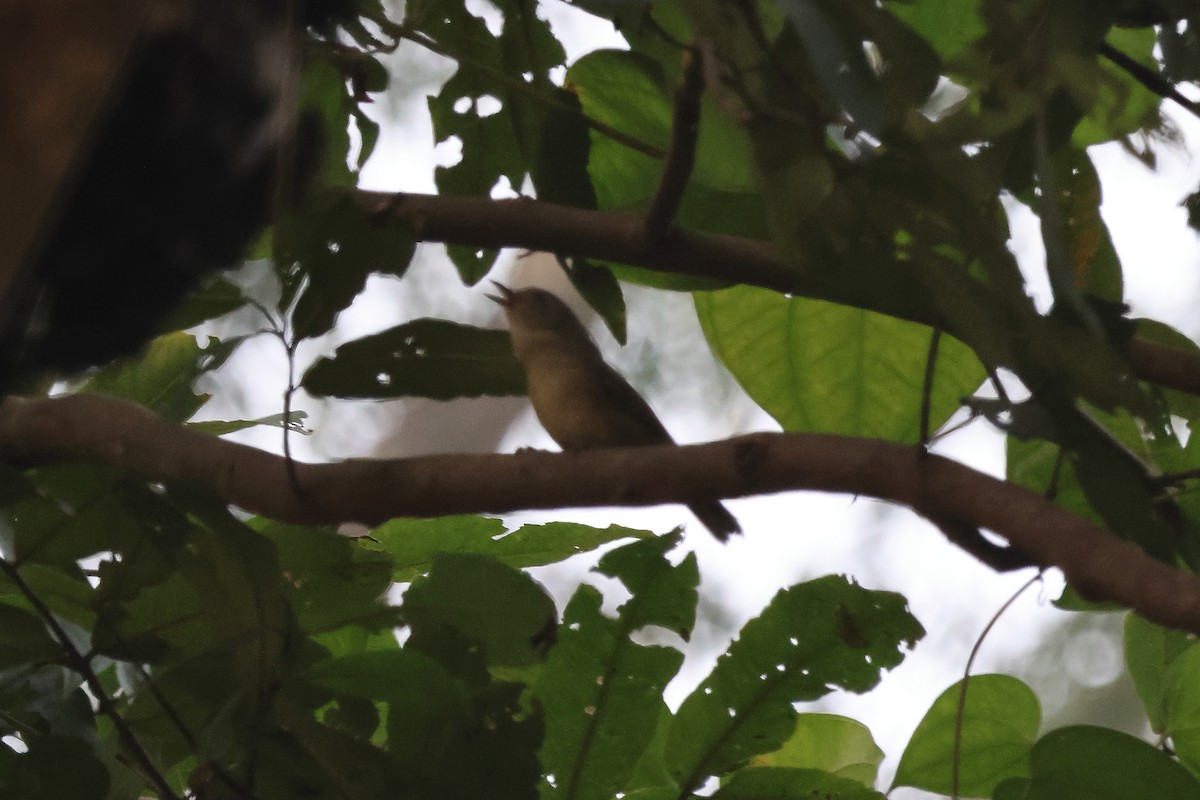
(640, 425)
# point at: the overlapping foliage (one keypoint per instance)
(154, 641)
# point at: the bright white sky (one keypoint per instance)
(794, 536)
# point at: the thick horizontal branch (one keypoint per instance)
(615, 236)
(1098, 565)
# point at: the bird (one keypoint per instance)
(581, 401)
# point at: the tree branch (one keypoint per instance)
(1098, 565)
(618, 236)
(1147, 77)
(681, 154)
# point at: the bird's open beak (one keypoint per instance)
(505, 297)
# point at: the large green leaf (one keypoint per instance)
(832, 744)
(812, 638)
(630, 93)
(1089, 763)
(817, 366)
(792, 783)
(1150, 650)
(335, 581)
(601, 691)
(950, 26)
(999, 724)
(1181, 706)
(500, 611)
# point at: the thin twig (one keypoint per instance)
(79, 663)
(288, 394)
(681, 153)
(962, 692)
(1147, 77)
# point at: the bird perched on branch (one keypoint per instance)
(581, 401)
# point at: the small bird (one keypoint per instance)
(581, 401)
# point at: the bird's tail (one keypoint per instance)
(717, 519)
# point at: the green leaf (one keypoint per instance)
(625, 91)
(999, 724)
(789, 783)
(817, 366)
(53, 767)
(85, 509)
(413, 686)
(496, 608)
(423, 358)
(1089, 763)
(510, 70)
(161, 377)
(24, 638)
(560, 171)
(414, 542)
(335, 244)
(335, 581)
(293, 422)
(832, 744)
(449, 743)
(323, 92)
(219, 630)
(1117, 104)
(950, 26)
(215, 298)
(1181, 704)
(1150, 650)
(601, 691)
(598, 286)
(65, 592)
(1093, 263)
(1180, 403)
(811, 639)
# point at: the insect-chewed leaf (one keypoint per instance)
(423, 358)
(814, 637)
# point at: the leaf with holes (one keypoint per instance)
(601, 690)
(813, 638)
(423, 358)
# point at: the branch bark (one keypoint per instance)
(1098, 565)
(617, 236)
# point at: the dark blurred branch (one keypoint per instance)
(1148, 77)
(618, 236)
(1099, 565)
